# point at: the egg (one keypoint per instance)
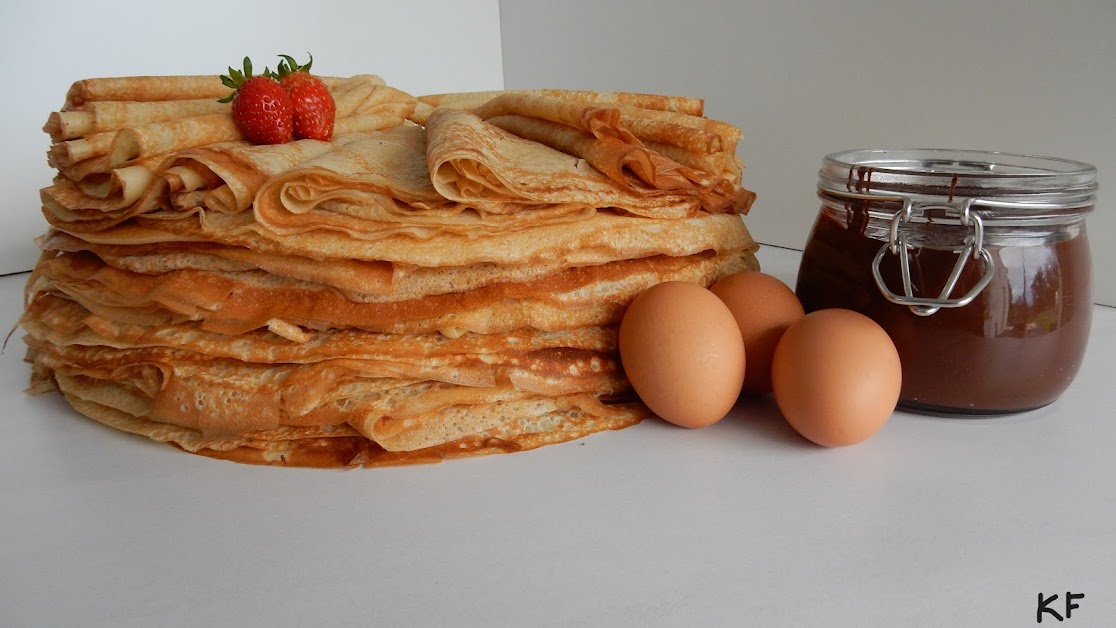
(836, 377)
(682, 353)
(764, 308)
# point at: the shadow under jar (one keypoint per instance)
(976, 264)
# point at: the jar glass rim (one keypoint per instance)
(975, 173)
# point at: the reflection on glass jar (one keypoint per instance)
(991, 313)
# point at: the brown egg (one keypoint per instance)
(764, 308)
(836, 376)
(682, 353)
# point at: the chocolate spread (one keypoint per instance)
(1017, 346)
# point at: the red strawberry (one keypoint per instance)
(261, 107)
(314, 108)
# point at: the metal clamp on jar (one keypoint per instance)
(977, 265)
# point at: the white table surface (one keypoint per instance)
(932, 522)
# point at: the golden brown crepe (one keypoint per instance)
(341, 448)
(472, 100)
(95, 118)
(165, 88)
(472, 161)
(616, 159)
(227, 397)
(144, 89)
(60, 321)
(237, 302)
(359, 280)
(145, 118)
(603, 237)
(634, 165)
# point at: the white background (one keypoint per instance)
(812, 77)
(436, 45)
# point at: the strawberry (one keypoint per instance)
(314, 108)
(261, 107)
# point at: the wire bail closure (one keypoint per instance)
(973, 247)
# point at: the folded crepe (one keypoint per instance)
(194, 390)
(472, 161)
(605, 237)
(634, 165)
(221, 177)
(341, 446)
(96, 138)
(100, 118)
(364, 281)
(616, 159)
(144, 89)
(201, 405)
(598, 121)
(158, 138)
(462, 359)
(229, 175)
(164, 88)
(654, 138)
(591, 132)
(238, 302)
(472, 100)
(676, 121)
(378, 185)
(360, 280)
(66, 154)
(671, 126)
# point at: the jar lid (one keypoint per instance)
(1016, 183)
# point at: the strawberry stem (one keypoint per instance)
(290, 66)
(236, 78)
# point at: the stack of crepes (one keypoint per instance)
(444, 278)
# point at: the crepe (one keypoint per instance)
(604, 237)
(144, 89)
(475, 162)
(342, 449)
(226, 397)
(472, 100)
(379, 186)
(237, 302)
(164, 88)
(359, 279)
(101, 118)
(113, 123)
(60, 321)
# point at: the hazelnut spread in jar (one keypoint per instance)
(977, 265)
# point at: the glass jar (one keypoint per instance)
(976, 264)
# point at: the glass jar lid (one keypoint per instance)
(1006, 185)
